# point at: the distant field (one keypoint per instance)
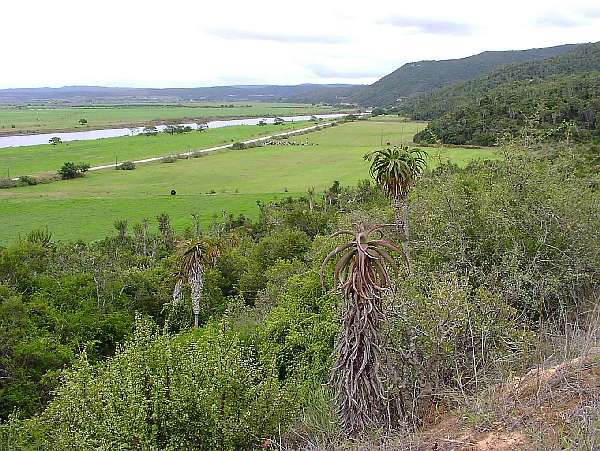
(389, 118)
(38, 119)
(87, 208)
(35, 159)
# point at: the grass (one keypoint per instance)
(389, 118)
(43, 158)
(87, 208)
(38, 119)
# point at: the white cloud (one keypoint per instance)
(193, 43)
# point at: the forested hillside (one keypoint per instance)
(421, 77)
(554, 97)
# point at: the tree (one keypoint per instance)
(55, 140)
(83, 121)
(362, 277)
(194, 256)
(396, 170)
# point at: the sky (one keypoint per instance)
(180, 43)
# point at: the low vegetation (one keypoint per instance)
(497, 262)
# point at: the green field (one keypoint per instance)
(36, 159)
(87, 208)
(38, 119)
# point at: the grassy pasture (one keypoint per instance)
(36, 159)
(38, 119)
(87, 208)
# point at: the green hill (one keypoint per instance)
(545, 94)
(421, 77)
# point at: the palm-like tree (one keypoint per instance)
(396, 170)
(194, 256)
(361, 274)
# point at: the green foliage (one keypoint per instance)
(6, 183)
(298, 332)
(70, 170)
(203, 390)
(238, 146)
(559, 90)
(498, 246)
(127, 166)
(445, 334)
(396, 169)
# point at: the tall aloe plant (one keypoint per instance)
(361, 275)
(194, 257)
(396, 170)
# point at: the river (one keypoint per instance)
(42, 138)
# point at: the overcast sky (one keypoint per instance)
(181, 43)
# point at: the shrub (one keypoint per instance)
(150, 131)
(127, 166)
(70, 170)
(446, 335)
(28, 180)
(168, 159)
(7, 183)
(201, 390)
(238, 146)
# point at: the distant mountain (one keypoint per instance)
(99, 94)
(551, 96)
(421, 77)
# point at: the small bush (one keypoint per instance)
(168, 159)
(238, 146)
(28, 180)
(127, 166)
(70, 170)
(7, 183)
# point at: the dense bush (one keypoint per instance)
(201, 390)
(7, 183)
(238, 146)
(497, 249)
(126, 166)
(444, 336)
(70, 170)
(168, 159)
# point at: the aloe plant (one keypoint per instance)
(361, 275)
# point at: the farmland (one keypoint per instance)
(39, 119)
(35, 159)
(231, 181)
